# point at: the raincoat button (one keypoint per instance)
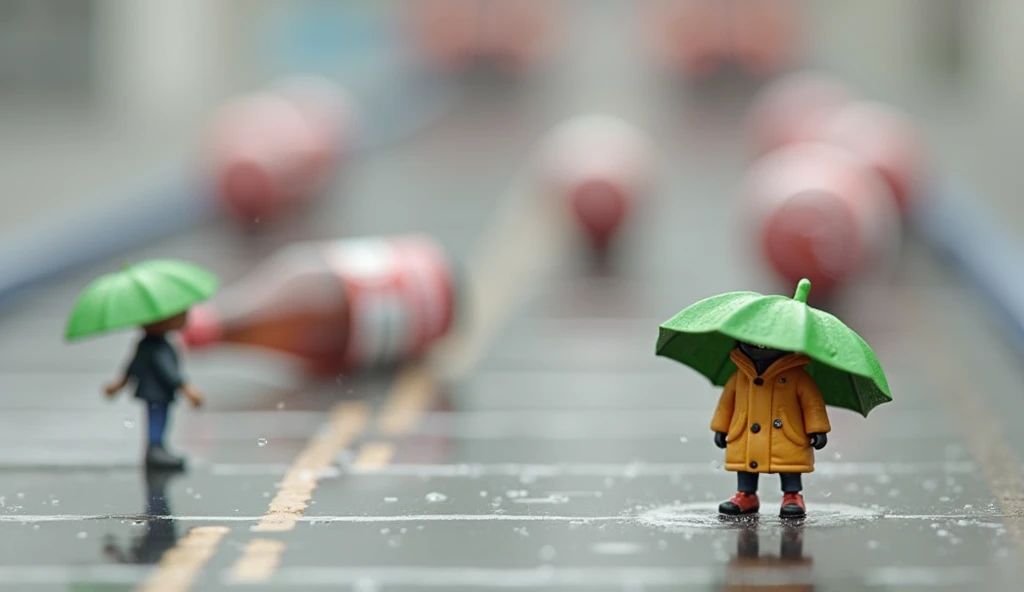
(777, 423)
(758, 381)
(753, 464)
(755, 428)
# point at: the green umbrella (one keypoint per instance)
(843, 365)
(137, 295)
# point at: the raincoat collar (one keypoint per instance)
(781, 365)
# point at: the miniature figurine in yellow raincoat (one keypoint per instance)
(769, 419)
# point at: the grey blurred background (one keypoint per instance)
(94, 93)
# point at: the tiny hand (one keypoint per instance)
(112, 389)
(193, 395)
(720, 439)
(818, 441)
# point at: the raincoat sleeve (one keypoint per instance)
(165, 363)
(722, 419)
(813, 406)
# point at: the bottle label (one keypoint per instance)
(399, 293)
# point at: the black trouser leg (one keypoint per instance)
(791, 482)
(747, 482)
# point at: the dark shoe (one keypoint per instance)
(793, 506)
(157, 457)
(741, 503)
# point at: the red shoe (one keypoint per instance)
(793, 506)
(741, 503)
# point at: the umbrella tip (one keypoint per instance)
(803, 288)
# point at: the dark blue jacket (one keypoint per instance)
(155, 370)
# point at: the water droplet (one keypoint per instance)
(21, 495)
(483, 493)
(716, 464)
(129, 423)
(82, 534)
(942, 532)
(944, 498)
(547, 553)
(35, 527)
(280, 405)
(55, 502)
(435, 497)
(261, 442)
(266, 494)
(826, 494)
(684, 439)
(198, 496)
(385, 531)
(256, 220)
(394, 543)
(837, 456)
(968, 506)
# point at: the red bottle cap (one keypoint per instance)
(204, 327)
(600, 206)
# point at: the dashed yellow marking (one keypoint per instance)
(259, 560)
(347, 421)
(374, 455)
(179, 566)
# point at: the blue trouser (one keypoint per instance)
(156, 419)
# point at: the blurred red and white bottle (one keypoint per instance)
(271, 151)
(446, 33)
(599, 165)
(820, 212)
(515, 34)
(453, 35)
(765, 35)
(691, 37)
(884, 137)
(791, 109)
(338, 306)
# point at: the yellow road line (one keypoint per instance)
(258, 562)
(504, 270)
(179, 566)
(348, 420)
(374, 455)
(412, 394)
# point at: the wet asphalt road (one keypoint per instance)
(568, 457)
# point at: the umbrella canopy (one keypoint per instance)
(137, 295)
(843, 365)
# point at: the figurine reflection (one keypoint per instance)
(789, 571)
(161, 533)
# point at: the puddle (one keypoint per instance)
(705, 516)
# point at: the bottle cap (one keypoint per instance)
(203, 328)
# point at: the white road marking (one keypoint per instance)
(623, 518)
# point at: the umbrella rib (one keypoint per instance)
(144, 288)
(185, 285)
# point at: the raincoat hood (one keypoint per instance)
(786, 362)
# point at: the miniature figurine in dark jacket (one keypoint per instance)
(157, 378)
